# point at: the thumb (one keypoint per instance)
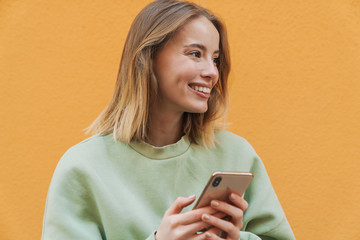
(179, 204)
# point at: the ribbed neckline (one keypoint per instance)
(161, 153)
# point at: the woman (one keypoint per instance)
(157, 141)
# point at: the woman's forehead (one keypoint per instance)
(198, 31)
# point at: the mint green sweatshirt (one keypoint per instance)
(102, 189)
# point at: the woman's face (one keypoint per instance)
(186, 68)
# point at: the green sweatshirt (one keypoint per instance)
(102, 189)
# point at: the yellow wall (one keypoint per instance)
(295, 97)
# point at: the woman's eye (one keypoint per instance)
(195, 54)
(216, 61)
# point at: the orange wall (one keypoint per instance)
(295, 97)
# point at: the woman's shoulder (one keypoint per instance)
(224, 136)
(233, 142)
(93, 148)
(235, 151)
(91, 144)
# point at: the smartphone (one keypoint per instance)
(221, 184)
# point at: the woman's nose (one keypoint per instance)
(210, 70)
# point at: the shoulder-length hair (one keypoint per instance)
(127, 114)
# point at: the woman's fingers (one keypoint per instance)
(230, 225)
(235, 211)
(195, 215)
(179, 204)
(213, 233)
(206, 227)
(239, 201)
(190, 223)
(232, 231)
(172, 227)
(176, 225)
(209, 219)
(192, 230)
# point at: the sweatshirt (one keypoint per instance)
(105, 189)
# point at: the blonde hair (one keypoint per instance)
(127, 114)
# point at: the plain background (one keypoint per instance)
(295, 86)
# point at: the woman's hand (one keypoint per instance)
(176, 225)
(231, 228)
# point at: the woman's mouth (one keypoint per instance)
(201, 89)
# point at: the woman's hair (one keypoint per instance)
(127, 114)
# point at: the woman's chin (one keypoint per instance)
(201, 109)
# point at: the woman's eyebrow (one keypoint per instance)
(200, 46)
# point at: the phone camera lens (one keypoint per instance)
(216, 182)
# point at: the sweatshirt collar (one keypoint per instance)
(161, 153)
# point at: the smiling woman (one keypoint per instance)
(186, 42)
(157, 141)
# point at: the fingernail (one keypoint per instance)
(192, 196)
(206, 217)
(232, 196)
(214, 203)
(207, 234)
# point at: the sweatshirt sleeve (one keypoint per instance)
(70, 211)
(265, 218)
(72, 207)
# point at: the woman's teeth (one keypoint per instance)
(201, 89)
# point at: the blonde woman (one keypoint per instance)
(157, 141)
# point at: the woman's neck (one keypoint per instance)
(164, 129)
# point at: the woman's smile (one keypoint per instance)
(201, 91)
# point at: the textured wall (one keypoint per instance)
(295, 97)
